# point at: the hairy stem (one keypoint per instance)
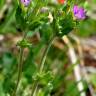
(45, 54)
(20, 65)
(19, 70)
(42, 63)
(34, 89)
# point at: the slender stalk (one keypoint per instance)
(20, 65)
(34, 89)
(42, 63)
(19, 71)
(45, 54)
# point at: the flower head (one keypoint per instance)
(25, 2)
(61, 1)
(79, 13)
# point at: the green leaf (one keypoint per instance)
(46, 32)
(20, 18)
(24, 43)
(46, 78)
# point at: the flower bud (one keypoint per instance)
(25, 2)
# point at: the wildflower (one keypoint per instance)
(61, 1)
(79, 13)
(25, 2)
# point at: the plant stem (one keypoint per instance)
(19, 70)
(20, 65)
(45, 54)
(34, 89)
(42, 63)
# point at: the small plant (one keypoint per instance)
(60, 18)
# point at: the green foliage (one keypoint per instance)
(24, 43)
(20, 18)
(35, 19)
(66, 24)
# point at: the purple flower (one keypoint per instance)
(79, 13)
(25, 2)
